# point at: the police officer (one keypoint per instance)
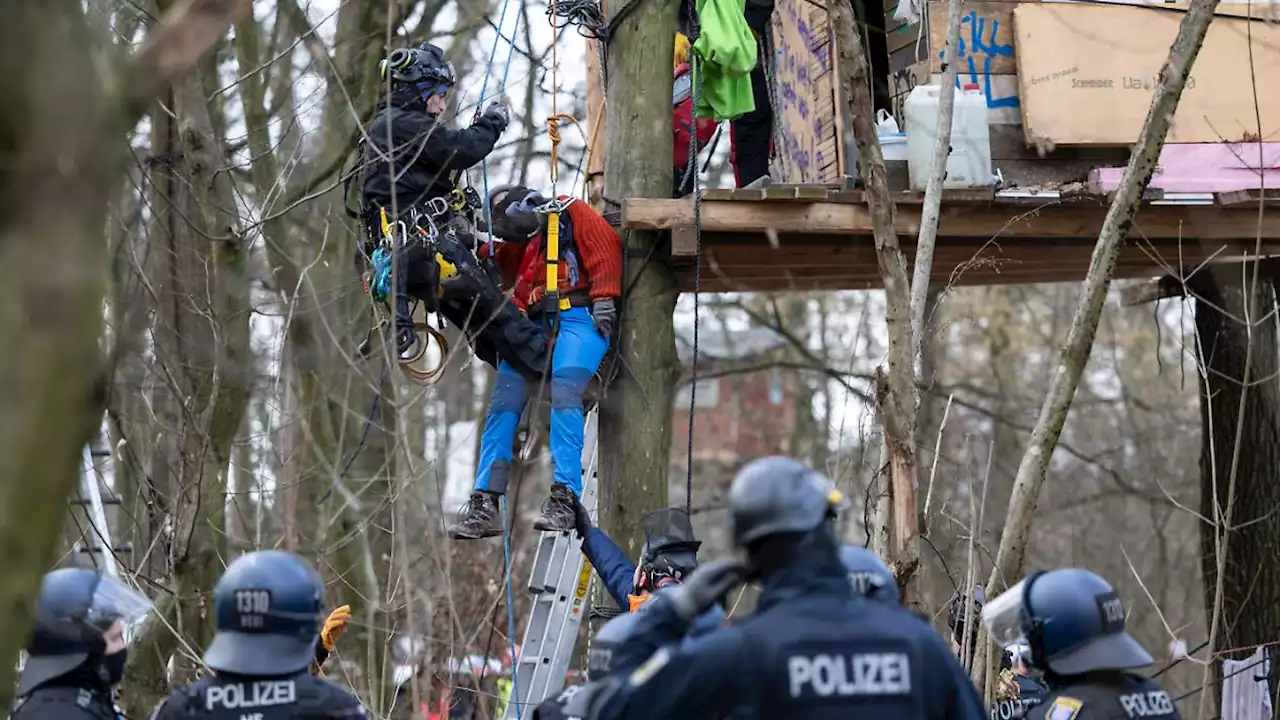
(411, 164)
(76, 653)
(577, 701)
(869, 576)
(268, 608)
(811, 650)
(1074, 624)
(1016, 691)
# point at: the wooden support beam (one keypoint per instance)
(1051, 220)
(1151, 291)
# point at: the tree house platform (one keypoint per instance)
(819, 238)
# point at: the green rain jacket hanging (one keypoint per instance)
(726, 52)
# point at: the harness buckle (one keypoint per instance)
(436, 207)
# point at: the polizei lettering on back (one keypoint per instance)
(1152, 703)
(260, 693)
(833, 675)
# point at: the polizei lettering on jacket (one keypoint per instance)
(260, 693)
(837, 675)
(1149, 704)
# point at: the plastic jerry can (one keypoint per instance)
(969, 164)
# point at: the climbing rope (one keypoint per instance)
(694, 67)
(427, 376)
(553, 132)
(484, 86)
(488, 218)
(586, 14)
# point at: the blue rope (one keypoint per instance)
(488, 219)
(511, 612)
(506, 71)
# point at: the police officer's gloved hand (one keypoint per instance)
(499, 113)
(705, 587)
(605, 313)
(334, 626)
(581, 518)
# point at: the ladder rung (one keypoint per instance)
(126, 548)
(105, 501)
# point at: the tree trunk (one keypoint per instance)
(54, 185)
(1249, 607)
(205, 367)
(56, 173)
(1084, 325)
(635, 418)
(896, 395)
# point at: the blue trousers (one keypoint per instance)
(579, 349)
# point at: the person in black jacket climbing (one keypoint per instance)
(412, 162)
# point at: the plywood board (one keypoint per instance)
(1087, 74)
(986, 38)
(803, 75)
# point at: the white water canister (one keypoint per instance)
(893, 142)
(969, 164)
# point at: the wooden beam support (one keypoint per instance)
(1051, 220)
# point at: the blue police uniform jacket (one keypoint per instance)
(1030, 694)
(289, 697)
(811, 650)
(1105, 695)
(617, 572)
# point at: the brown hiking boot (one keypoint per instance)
(557, 511)
(478, 518)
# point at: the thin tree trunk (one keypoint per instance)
(1084, 325)
(930, 212)
(896, 395)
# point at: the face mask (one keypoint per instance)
(113, 666)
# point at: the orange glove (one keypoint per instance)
(334, 625)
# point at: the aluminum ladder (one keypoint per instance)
(96, 538)
(561, 585)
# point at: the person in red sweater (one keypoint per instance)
(590, 279)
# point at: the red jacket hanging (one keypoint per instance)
(590, 260)
(682, 119)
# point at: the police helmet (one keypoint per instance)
(777, 494)
(75, 609)
(1072, 620)
(611, 636)
(423, 68)
(670, 551)
(268, 607)
(868, 574)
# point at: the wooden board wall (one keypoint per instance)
(803, 73)
(1089, 72)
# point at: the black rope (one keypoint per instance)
(697, 271)
(585, 14)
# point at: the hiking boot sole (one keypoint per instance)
(468, 534)
(546, 526)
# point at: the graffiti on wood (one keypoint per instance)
(802, 70)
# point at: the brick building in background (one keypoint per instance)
(746, 406)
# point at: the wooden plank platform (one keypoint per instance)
(819, 237)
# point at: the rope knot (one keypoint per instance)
(553, 132)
